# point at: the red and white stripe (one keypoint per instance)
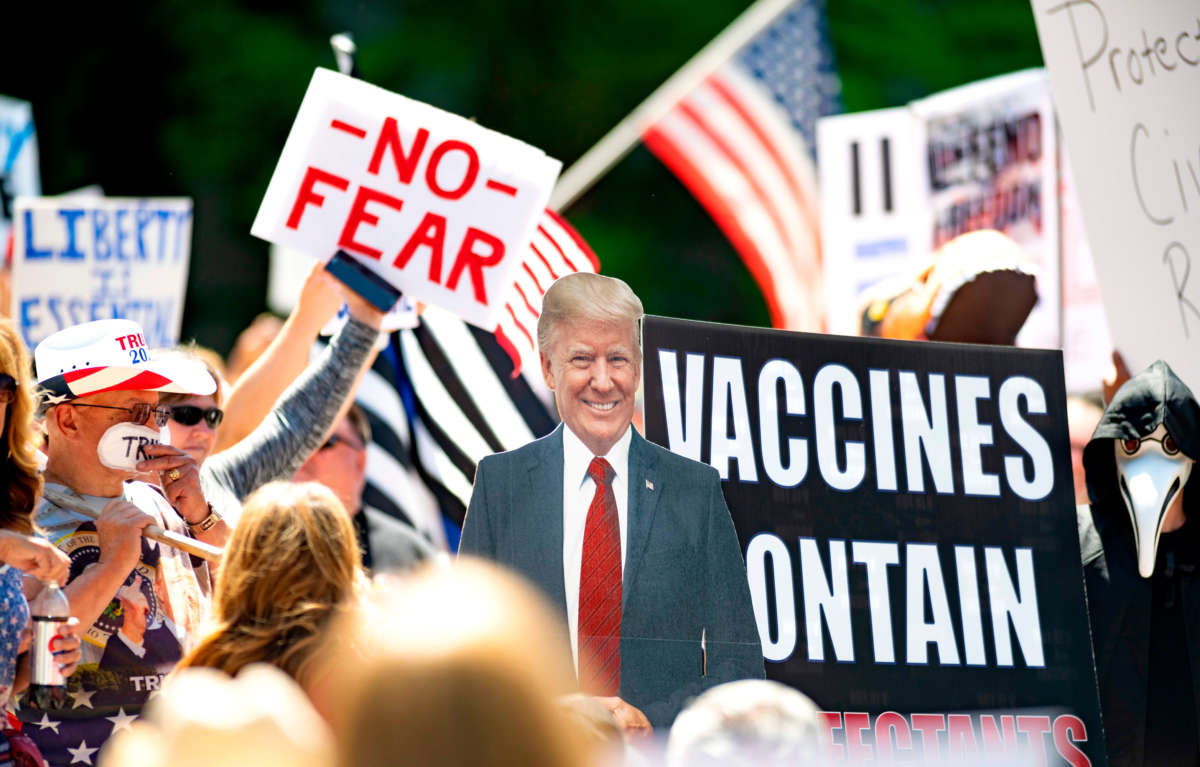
(555, 249)
(101, 379)
(735, 150)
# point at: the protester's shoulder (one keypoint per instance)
(387, 532)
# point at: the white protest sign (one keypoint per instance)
(872, 207)
(78, 259)
(1087, 346)
(896, 184)
(1125, 77)
(18, 160)
(990, 162)
(440, 207)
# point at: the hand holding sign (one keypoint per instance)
(435, 204)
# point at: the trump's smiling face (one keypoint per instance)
(593, 368)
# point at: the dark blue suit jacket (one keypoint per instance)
(684, 574)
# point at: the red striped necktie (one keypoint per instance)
(599, 624)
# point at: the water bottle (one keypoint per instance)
(49, 610)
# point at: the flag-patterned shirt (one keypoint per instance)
(136, 641)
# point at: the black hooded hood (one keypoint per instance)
(1152, 397)
(1141, 646)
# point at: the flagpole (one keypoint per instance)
(619, 141)
(72, 501)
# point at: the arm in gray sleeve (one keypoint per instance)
(296, 425)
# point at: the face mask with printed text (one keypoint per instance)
(124, 445)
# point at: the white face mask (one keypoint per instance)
(123, 445)
(1150, 477)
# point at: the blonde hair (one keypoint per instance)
(19, 473)
(291, 565)
(445, 651)
(583, 297)
(212, 362)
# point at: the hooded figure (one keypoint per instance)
(1139, 557)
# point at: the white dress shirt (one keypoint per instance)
(578, 490)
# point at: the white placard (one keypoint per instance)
(898, 183)
(989, 159)
(1125, 77)
(1087, 345)
(872, 206)
(440, 207)
(18, 160)
(79, 259)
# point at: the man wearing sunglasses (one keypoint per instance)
(100, 390)
(1140, 543)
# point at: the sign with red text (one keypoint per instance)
(1125, 75)
(83, 257)
(438, 206)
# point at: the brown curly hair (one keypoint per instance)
(19, 475)
(291, 565)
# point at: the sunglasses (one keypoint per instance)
(190, 415)
(8, 388)
(141, 412)
(334, 440)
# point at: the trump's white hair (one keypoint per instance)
(587, 297)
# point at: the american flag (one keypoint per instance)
(743, 141)
(555, 249)
(440, 397)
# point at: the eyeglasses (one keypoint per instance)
(141, 411)
(8, 388)
(334, 440)
(1130, 446)
(190, 415)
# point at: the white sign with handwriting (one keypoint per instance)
(1125, 77)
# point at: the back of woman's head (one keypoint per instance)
(291, 564)
(19, 474)
(451, 667)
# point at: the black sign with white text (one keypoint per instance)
(907, 515)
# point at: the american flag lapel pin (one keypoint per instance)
(649, 485)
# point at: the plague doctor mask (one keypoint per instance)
(1151, 473)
